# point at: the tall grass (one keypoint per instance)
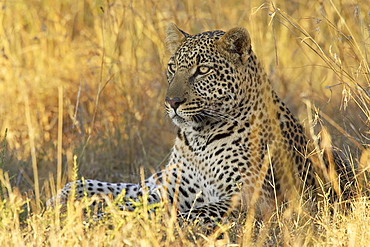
(86, 78)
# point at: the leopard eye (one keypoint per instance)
(203, 70)
(172, 67)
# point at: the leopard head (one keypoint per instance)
(207, 75)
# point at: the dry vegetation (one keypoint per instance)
(86, 79)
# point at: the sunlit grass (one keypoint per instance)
(86, 79)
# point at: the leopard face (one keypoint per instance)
(204, 81)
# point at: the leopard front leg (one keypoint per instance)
(209, 214)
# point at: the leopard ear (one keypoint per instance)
(175, 37)
(236, 42)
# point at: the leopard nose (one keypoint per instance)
(175, 102)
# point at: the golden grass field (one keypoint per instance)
(86, 79)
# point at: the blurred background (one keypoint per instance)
(87, 78)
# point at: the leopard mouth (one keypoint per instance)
(178, 121)
(194, 120)
(175, 117)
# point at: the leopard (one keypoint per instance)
(238, 146)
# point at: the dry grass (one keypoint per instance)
(86, 78)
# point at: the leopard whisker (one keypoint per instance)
(216, 113)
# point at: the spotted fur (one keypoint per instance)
(236, 140)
